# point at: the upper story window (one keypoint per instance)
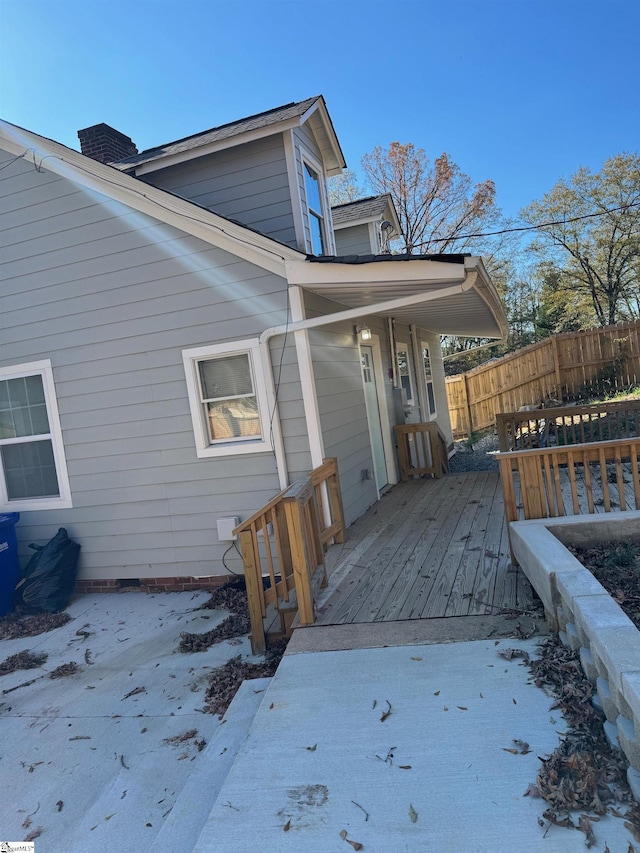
(33, 470)
(314, 206)
(229, 409)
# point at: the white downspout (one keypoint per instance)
(326, 320)
(307, 380)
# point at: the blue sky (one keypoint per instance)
(519, 91)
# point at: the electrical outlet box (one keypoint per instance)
(225, 528)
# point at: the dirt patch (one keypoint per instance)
(225, 681)
(617, 566)
(584, 772)
(22, 660)
(13, 625)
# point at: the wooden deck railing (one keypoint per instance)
(283, 547)
(422, 449)
(568, 425)
(578, 477)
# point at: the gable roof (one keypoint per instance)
(237, 132)
(217, 230)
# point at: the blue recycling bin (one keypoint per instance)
(9, 565)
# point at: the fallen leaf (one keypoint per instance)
(416, 658)
(462, 708)
(36, 833)
(287, 826)
(386, 714)
(312, 748)
(437, 693)
(134, 692)
(445, 708)
(109, 816)
(404, 766)
(512, 751)
(532, 791)
(584, 825)
(59, 805)
(413, 814)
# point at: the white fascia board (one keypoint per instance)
(365, 220)
(315, 275)
(187, 217)
(487, 291)
(212, 147)
(334, 145)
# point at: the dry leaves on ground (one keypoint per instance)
(22, 660)
(13, 625)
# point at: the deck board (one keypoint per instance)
(426, 551)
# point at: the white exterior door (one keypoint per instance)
(373, 415)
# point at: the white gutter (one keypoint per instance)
(492, 343)
(386, 307)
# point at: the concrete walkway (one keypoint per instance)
(401, 747)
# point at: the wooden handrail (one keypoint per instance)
(422, 450)
(544, 473)
(283, 546)
(568, 424)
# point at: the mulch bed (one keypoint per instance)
(617, 566)
(584, 772)
(14, 625)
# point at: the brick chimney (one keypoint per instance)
(105, 144)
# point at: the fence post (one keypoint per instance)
(466, 403)
(556, 366)
(335, 500)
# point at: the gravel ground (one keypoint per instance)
(474, 457)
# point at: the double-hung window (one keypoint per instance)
(227, 397)
(33, 470)
(315, 209)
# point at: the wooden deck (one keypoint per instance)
(429, 548)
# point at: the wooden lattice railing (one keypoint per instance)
(422, 450)
(568, 425)
(571, 479)
(283, 547)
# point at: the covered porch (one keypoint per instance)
(429, 548)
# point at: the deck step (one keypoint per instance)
(184, 824)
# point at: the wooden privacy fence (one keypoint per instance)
(562, 367)
(545, 482)
(568, 425)
(283, 548)
(422, 449)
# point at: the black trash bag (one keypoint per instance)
(49, 577)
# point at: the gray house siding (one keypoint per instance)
(248, 183)
(112, 297)
(343, 416)
(353, 241)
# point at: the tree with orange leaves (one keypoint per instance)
(437, 206)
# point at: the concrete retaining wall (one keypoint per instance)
(588, 620)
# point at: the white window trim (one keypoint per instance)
(400, 347)
(327, 228)
(63, 501)
(232, 447)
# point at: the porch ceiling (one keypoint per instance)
(474, 310)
